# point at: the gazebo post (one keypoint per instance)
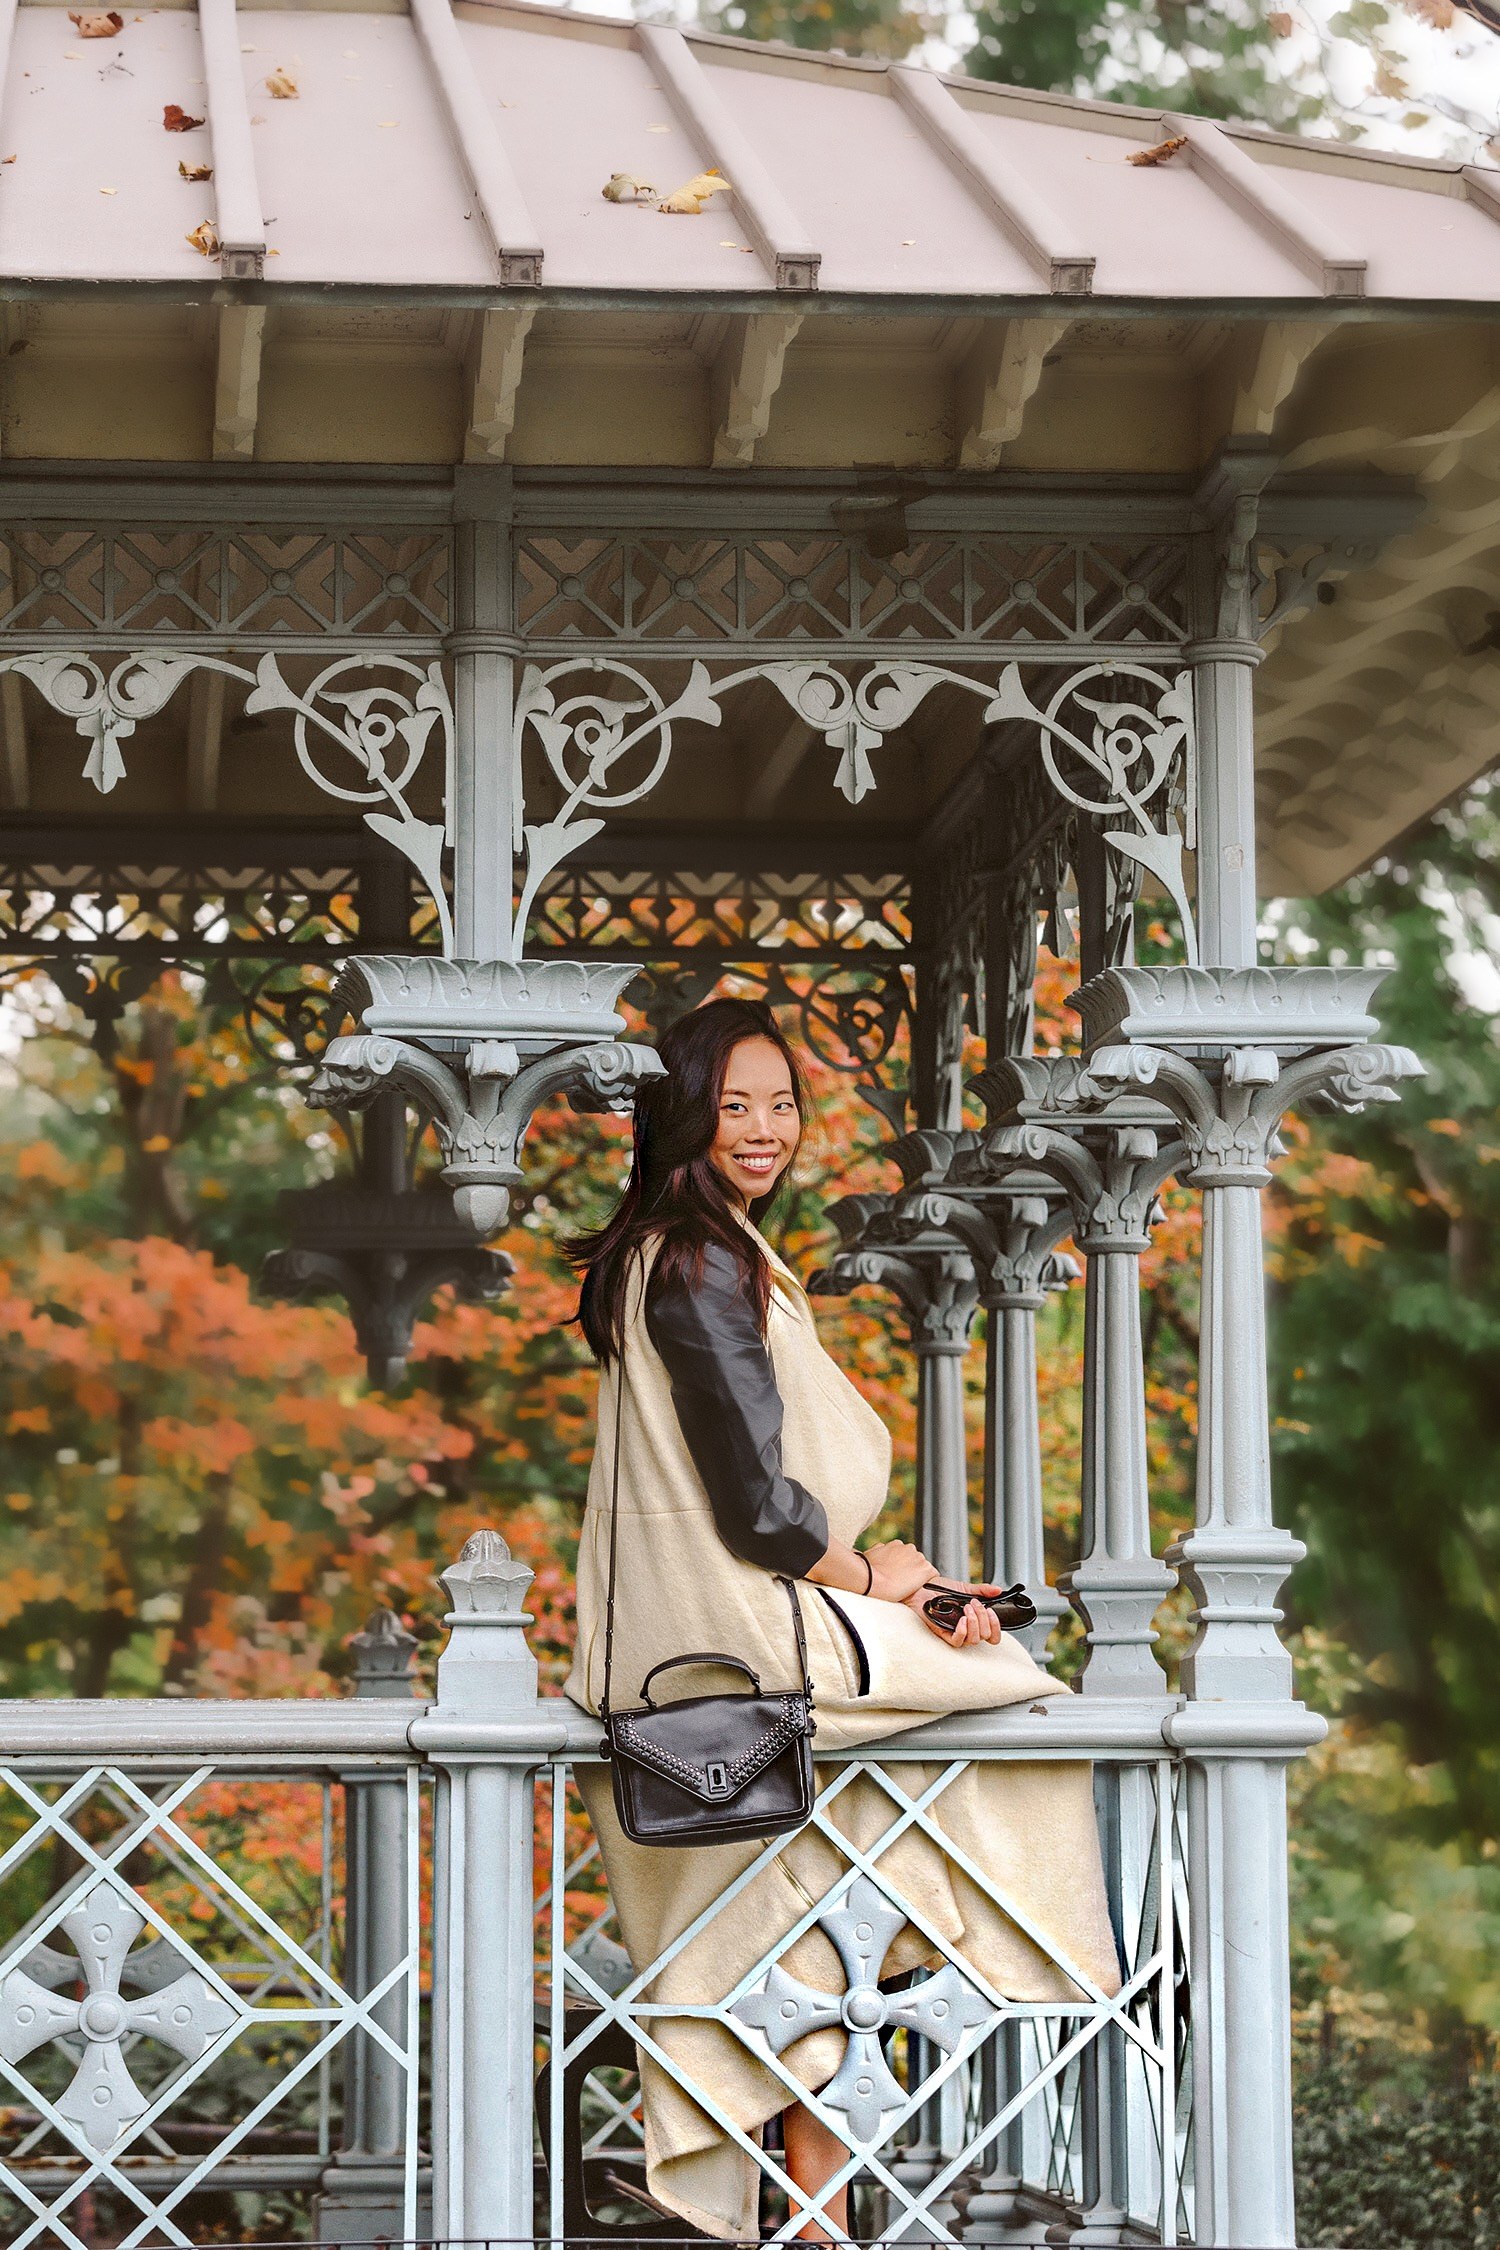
(482, 648)
(486, 1738)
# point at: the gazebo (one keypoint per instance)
(452, 575)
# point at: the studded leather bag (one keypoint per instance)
(707, 1769)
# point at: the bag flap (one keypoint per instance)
(712, 1746)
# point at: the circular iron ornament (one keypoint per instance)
(384, 729)
(1123, 752)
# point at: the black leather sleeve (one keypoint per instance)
(724, 1390)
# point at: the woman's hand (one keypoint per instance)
(888, 1572)
(897, 1569)
(975, 1625)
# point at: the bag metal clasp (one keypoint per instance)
(716, 1777)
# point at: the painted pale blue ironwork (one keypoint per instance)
(864, 2089)
(189, 2014)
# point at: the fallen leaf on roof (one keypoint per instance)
(204, 238)
(196, 171)
(688, 200)
(1160, 153)
(282, 86)
(109, 191)
(175, 119)
(7, 160)
(97, 23)
(624, 187)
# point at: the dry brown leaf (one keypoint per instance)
(1439, 13)
(204, 238)
(97, 23)
(7, 160)
(283, 87)
(175, 119)
(196, 171)
(1389, 81)
(691, 198)
(624, 187)
(1280, 25)
(1160, 153)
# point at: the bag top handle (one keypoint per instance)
(709, 1656)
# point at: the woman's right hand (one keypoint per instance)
(897, 1570)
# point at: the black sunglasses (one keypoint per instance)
(1014, 1607)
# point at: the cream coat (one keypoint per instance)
(1029, 1828)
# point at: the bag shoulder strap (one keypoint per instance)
(614, 1535)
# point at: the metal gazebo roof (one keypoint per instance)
(452, 150)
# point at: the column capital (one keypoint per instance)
(478, 1046)
(1229, 1108)
(1110, 1155)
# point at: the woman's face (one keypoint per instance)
(758, 1123)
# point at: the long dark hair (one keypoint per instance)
(675, 1191)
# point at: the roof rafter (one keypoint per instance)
(997, 382)
(1028, 218)
(241, 340)
(746, 377)
(774, 227)
(496, 357)
(1269, 367)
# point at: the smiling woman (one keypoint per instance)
(733, 1452)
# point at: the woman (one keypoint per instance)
(745, 1452)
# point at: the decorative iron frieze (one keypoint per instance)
(666, 590)
(193, 582)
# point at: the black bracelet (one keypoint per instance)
(869, 1572)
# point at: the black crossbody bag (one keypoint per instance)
(713, 1769)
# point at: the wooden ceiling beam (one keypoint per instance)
(14, 743)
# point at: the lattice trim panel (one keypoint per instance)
(253, 586)
(659, 591)
(945, 2089)
(165, 1996)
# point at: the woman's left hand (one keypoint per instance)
(975, 1625)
